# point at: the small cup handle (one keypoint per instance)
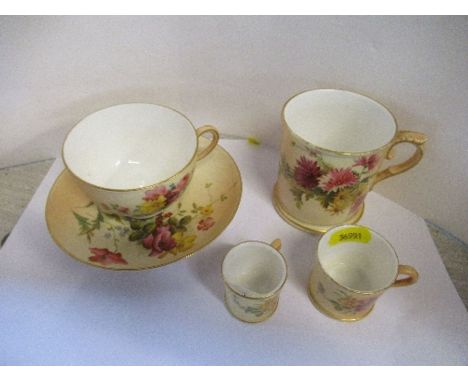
(276, 244)
(409, 271)
(417, 139)
(214, 140)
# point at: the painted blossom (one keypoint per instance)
(183, 183)
(307, 172)
(155, 193)
(159, 241)
(123, 210)
(205, 224)
(161, 196)
(152, 205)
(105, 257)
(337, 179)
(343, 199)
(183, 242)
(370, 162)
(207, 210)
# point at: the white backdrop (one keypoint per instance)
(236, 73)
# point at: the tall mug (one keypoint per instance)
(333, 147)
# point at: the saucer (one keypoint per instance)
(111, 242)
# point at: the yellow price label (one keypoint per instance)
(357, 234)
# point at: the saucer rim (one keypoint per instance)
(231, 218)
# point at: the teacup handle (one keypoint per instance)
(214, 140)
(417, 139)
(409, 271)
(276, 244)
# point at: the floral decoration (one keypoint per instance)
(344, 303)
(154, 200)
(105, 257)
(257, 309)
(166, 233)
(205, 224)
(336, 188)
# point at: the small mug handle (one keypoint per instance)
(409, 271)
(214, 140)
(418, 140)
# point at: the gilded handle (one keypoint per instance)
(276, 244)
(409, 271)
(418, 140)
(214, 140)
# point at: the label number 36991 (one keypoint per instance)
(358, 234)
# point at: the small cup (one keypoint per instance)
(135, 159)
(254, 273)
(334, 146)
(354, 266)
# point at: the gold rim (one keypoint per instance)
(360, 292)
(308, 227)
(284, 124)
(249, 322)
(322, 310)
(228, 222)
(193, 158)
(275, 292)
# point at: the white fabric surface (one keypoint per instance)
(55, 310)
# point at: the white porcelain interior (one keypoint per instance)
(340, 120)
(254, 269)
(370, 266)
(130, 146)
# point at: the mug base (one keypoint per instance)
(336, 316)
(249, 322)
(303, 226)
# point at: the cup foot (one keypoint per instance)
(303, 226)
(248, 322)
(334, 316)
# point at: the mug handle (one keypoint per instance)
(409, 271)
(214, 140)
(417, 139)
(276, 244)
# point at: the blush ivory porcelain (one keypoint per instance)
(333, 146)
(108, 241)
(254, 273)
(135, 159)
(354, 266)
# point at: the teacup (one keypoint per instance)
(135, 159)
(254, 273)
(354, 266)
(334, 144)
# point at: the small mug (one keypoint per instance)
(333, 147)
(136, 159)
(254, 273)
(354, 266)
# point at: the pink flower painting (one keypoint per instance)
(307, 173)
(155, 193)
(205, 224)
(370, 162)
(338, 178)
(340, 185)
(159, 241)
(105, 257)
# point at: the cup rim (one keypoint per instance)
(271, 294)
(152, 185)
(346, 153)
(363, 292)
